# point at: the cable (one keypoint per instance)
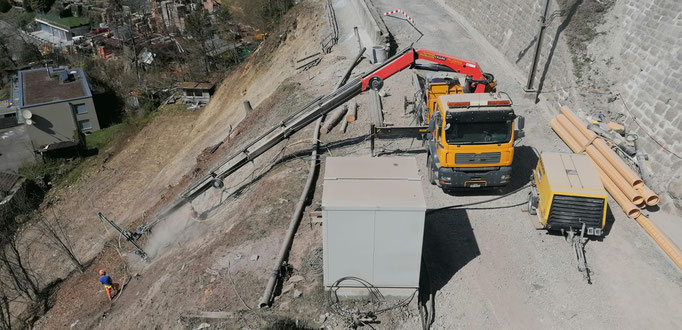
(357, 317)
(483, 202)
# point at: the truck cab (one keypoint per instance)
(471, 136)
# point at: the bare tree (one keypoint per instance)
(54, 229)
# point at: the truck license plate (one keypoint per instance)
(474, 185)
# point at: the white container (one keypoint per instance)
(373, 211)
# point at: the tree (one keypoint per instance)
(5, 6)
(197, 28)
(55, 231)
(42, 6)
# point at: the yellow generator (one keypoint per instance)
(567, 195)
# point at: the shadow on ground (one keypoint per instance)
(449, 245)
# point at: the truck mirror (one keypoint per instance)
(429, 136)
(432, 124)
(521, 122)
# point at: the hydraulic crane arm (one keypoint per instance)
(408, 58)
(404, 59)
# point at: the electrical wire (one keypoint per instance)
(483, 202)
(357, 317)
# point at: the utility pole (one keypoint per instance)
(538, 48)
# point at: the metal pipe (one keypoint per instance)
(538, 48)
(298, 212)
(294, 222)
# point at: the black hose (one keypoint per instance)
(483, 202)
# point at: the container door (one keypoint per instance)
(398, 239)
(348, 246)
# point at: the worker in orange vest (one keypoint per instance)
(108, 283)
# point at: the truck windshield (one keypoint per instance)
(478, 133)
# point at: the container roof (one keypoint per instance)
(572, 171)
(364, 183)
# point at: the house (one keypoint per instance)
(57, 107)
(59, 31)
(196, 93)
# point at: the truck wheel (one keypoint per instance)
(429, 169)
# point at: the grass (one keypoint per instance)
(108, 141)
(101, 139)
(66, 22)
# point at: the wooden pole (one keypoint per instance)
(352, 113)
(333, 119)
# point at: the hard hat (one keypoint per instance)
(102, 272)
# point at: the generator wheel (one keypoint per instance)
(532, 205)
(429, 169)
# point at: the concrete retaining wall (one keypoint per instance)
(636, 53)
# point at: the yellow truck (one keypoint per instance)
(470, 140)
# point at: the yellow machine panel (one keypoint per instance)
(568, 193)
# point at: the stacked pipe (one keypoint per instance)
(624, 185)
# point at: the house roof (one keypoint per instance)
(7, 182)
(196, 85)
(47, 85)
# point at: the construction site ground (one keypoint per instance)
(486, 266)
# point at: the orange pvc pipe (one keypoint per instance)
(650, 197)
(631, 193)
(663, 241)
(628, 207)
(564, 135)
(582, 127)
(628, 174)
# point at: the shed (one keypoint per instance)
(196, 92)
(373, 210)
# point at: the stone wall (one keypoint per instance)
(623, 60)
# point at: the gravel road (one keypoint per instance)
(490, 268)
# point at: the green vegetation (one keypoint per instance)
(101, 139)
(65, 22)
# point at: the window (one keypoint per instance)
(481, 133)
(84, 125)
(80, 109)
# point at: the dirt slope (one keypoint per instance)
(189, 272)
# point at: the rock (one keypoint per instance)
(202, 326)
(211, 272)
(288, 288)
(297, 293)
(74, 323)
(296, 278)
(254, 257)
(238, 257)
